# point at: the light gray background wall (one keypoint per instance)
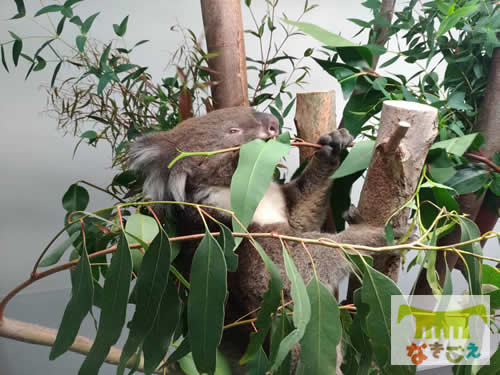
(37, 165)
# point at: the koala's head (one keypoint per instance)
(220, 129)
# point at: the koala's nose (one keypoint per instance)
(273, 126)
(270, 123)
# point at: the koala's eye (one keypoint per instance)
(234, 131)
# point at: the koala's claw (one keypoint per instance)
(333, 143)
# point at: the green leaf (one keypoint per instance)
(77, 308)
(270, 303)
(376, 292)
(468, 180)
(60, 26)
(259, 364)
(389, 234)
(357, 160)
(67, 12)
(56, 254)
(288, 108)
(103, 61)
(21, 10)
(188, 366)
(87, 24)
(16, 50)
(457, 101)
(226, 242)
(150, 287)
(301, 310)
(56, 71)
(113, 312)
(69, 3)
(254, 174)
(390, 61)
(49, 9)
(459, 145)
(159, 337)
(124, 67)
(140, 228)
(41, 63)
(76, 20)
(470, 231)
(360, 108)
(494, 365)
(323, 333)
(103, 82)
(491, 275)
(76, 198)
(80, 42)
(206, 302)
(322, 35)
(121, 29)
(183, 349)
(4, 63)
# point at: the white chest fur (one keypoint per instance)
(271, 209)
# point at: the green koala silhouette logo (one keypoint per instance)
(442, 320)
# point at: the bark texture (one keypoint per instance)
(407, 131)
(224, 34)
(314, 116)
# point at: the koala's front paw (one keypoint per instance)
(333, 143)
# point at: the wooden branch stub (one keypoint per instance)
(394, 140)
(314, 116)
(224, 34)
(392, 177)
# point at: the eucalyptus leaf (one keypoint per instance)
(87, 24)
(113, 312)
(151, 285)
(253, 175)
(357, 160)
(49, 9)
(76, 198)
(21, 10)
(323, 333)
(78, 307)
(206, 302)
(270, 303)
(17, 48)
(301, 310)
(56, 254)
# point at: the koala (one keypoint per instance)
(297, 208)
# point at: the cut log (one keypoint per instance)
(314, 116)
(407, 131)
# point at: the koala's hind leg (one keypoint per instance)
(307, 196)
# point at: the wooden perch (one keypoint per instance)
(407, 131)
(35, 334)
(314, 116)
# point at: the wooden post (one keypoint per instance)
(314, 116)
(393, 176)
(407, 131)
(224, 34)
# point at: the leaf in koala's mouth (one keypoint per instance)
(254, 174)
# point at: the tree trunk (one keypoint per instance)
(407, 131)
(224, 34)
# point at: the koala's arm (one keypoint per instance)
(307, 196)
